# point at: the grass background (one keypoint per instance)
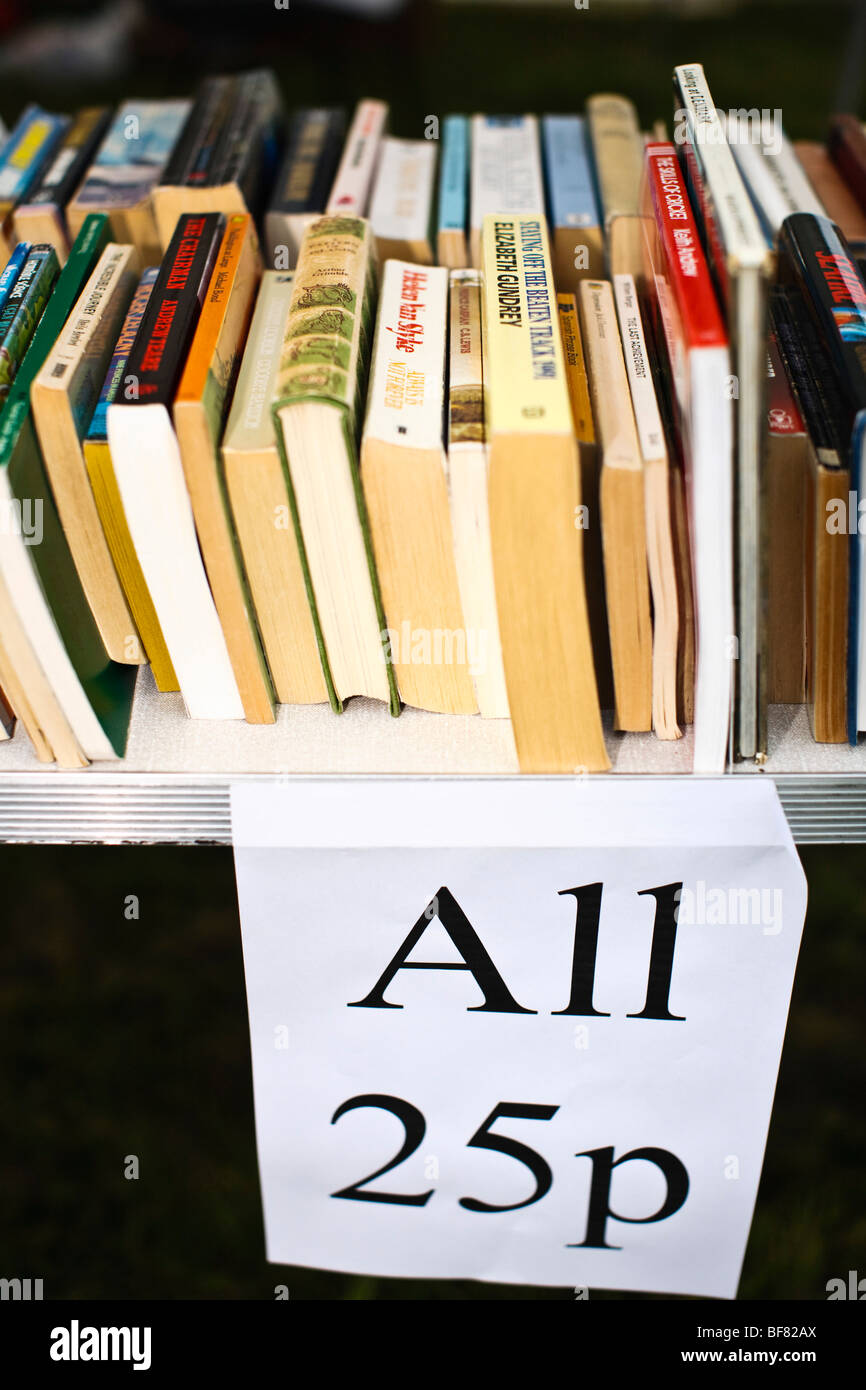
(124, 1037)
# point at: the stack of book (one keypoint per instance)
(527, 418)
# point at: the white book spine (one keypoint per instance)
(506, 167)
(403, 195)
(354, 179)
(407, 383)
(643, 394)
(744, 242)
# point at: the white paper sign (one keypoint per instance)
(483, 1044)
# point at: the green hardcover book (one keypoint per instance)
(23, 310)
(317, 417)
(94, 693)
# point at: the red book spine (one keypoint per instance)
(687, 269)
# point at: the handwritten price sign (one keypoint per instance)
(521, 1030)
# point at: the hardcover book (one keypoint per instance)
(317, 416)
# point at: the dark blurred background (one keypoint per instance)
(125, 1037)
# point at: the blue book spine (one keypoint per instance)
(27, 151)
(454, 175)
(12, 271)
(571, 193)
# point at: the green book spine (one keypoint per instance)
(108, 686)
(326, 356)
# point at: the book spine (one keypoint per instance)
(617, 152)
(23, 311)
(11, 271)
(327, 333)
(194, 153)
(157, 356)
(350, 195)
(312, 154)
(570, 187)
(732, 233)
(406, 395)
(67, 168)
(253, 136)
(688, 274)
(575, 368)
(25, 155)
(524, 369)
(98, 430)
(506, 166)
(402, 198)
(637, 365)
(249, 424)
(819, 258)
(466, 374)
(454, 175)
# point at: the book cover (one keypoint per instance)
(303, 184)
(133, 154)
